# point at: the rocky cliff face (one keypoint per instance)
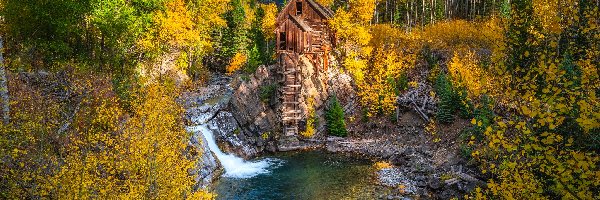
(256, 116)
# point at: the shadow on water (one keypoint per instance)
(305, 175)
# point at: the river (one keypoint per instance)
(304, 175)
(293, 175)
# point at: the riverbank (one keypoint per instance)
(419, 167)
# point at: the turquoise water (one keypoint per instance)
(305, 175)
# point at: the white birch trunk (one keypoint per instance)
(4, 87)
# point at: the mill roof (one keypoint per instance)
(320, 9)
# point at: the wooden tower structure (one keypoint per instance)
(302, 31)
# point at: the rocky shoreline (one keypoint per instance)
(415, 172)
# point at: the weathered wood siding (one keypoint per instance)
(298, 39)
(295, 40)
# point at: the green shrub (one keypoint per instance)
(400, 84)
(483, 116)
(334, 116)
(267, 92)
(484, 112)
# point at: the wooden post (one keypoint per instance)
(277, 40)
(326, 58)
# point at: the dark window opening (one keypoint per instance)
(298, 8)
(293, 42)
(282, 40)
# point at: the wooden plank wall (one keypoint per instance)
(297, 40)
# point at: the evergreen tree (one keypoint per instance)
(235, 36)
(446, 105)
(334, 116)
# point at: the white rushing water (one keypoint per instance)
(235, 167)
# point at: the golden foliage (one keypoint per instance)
(539, 151)
(326, 3)
(547, 12)
(311, 120)
(547, 89)
(237, 62)
(467, 73)
(144, 158)
(460, 34)
(378, 66)
(362, 10)
(208, 17)
(349, 31)
(29, 141)
(249, 14)
(104, 152)
(176, 25)
(268, 21)
(379, 55)
(382, 165)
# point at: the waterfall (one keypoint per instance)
(235, 167)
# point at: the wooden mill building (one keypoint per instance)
(301, 30)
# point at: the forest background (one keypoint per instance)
(107, 124)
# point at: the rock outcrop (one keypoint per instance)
(226, 129)
(256, 116)
(209, 106)
(208, 167)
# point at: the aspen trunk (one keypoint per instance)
(423, 13)
(4, 87)
(407, 17)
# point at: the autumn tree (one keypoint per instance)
(544, 150)
(94, 132)
(143, 159)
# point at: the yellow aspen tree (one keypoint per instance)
(268, 20)
(176, 26)
(143, 158)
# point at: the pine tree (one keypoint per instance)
(445, 107)
(335, 119)
(235, 36)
